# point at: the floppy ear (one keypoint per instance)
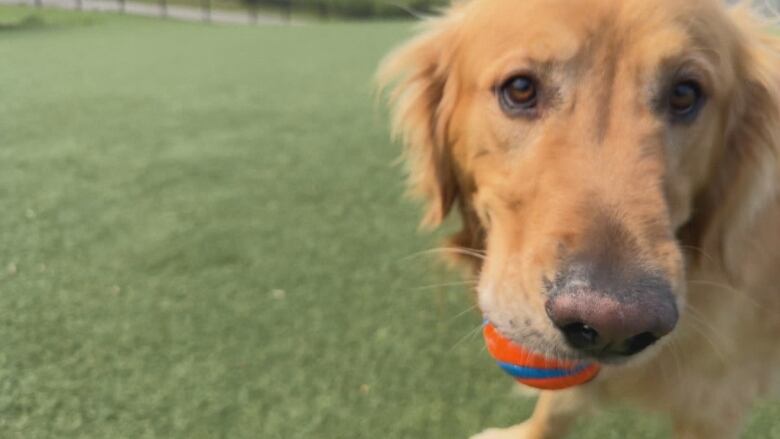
(423, 95)
(749, 169)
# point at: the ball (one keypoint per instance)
(536, 370)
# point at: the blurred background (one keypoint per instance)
(253, 11)
(203, 235)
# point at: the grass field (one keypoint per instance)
(202, 237)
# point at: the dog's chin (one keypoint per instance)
(617, 360)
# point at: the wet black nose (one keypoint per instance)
(609, 325)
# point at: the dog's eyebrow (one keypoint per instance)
(696, 65)
(515, 63)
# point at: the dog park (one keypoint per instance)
(204, 236)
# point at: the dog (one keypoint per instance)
(615, 165)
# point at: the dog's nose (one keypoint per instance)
(609, 325)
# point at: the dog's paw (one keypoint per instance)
(517, 432)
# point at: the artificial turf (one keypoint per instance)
(202, 236)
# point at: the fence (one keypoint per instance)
(251, 11)
(282, 11)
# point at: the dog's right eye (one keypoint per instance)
(685, 100)
(519, 95)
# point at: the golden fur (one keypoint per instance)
(699, 201)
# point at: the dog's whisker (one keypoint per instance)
(462, 313)
(447, 284)
(700, 319)
(700, 328)
(725, 287)
(673, 348)
(456, 250)
(700, 251)
(715, 348)
(468, 335)
(662, 368)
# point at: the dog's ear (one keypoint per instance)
(747, 173)
(423, 94)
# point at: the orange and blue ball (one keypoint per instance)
(536, 370)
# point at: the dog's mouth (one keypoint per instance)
(569, 346)
(588, 319)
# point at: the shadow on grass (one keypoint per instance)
(33, 22)
(27, 23)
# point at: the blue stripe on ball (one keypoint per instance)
(531, 373)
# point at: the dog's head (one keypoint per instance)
(585, 143)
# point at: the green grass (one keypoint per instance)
(202, 237)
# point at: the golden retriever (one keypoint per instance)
(615, 165)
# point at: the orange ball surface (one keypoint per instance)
(536, 370)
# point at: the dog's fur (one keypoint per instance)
(697, 202)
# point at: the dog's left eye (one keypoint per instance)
(519, 95)
(685, 100)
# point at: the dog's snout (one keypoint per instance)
(604, 324)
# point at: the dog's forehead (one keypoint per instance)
(544, 31)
